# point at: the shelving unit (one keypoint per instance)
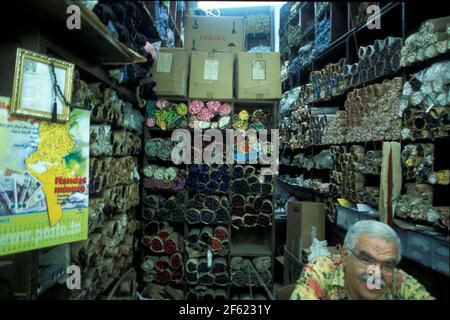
(251, 242)
(399, 20)
(94, 50)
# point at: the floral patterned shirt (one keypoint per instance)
(323, 279)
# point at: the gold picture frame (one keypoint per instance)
(33, 93)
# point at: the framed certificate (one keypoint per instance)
(34, 90)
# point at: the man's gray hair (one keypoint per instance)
(372, 229)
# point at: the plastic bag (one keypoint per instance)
(288, 98)
(438, 71)
(318, 249)
(133, 119)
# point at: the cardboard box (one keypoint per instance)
(284, 293)
(303, 215)
(258, 75)
(214, 34)
(211, 75)
(171, 72)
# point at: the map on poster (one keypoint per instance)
(44, 175)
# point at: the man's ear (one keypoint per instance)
(344, 253)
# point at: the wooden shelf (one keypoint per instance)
(93, 39)
(250, 250)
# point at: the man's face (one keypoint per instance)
(356, 269)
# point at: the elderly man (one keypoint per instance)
(366, 270)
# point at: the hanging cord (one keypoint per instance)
(57, 90)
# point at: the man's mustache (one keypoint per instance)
(366, 276)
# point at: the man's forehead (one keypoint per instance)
(376, 247)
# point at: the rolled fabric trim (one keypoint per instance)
(243, 115)
(162, 104)
(194, 235)
(238, 278)
(198, 197)
(265, 276)
(224, 122)
(224, 202)
(195, 205)
(220, 294)
(222, 215)
(207, 216)
(249, 209)
(243, 186)
(171, 245)
(206, 235)
(171, 203)
(215, 244)
(267, 207)
(212, 186)
(149, 264)
(224, 187)
(178, 214)
(238, 172)
(163, 277)
(215, 175)
(250, 278)
(203, 266)
(239, 211)
(162, 264)
(225, 109)
(219, 265)
(164, 214)
(177, 275)
(258, 202)
(252, 179)
(148, 213)
(264, 220)
(205, 279)
(150, 228)
(157, 244)
(195, 106)
(191, 278)
(165, 232)
(212, 202)
(176, 260)
(262, 263)
(192, 265)
(221, 279)
(182, 109)
(250, 220)
(238, 200)
(149, 183)
(249, 171)
(193, 216)
(146, 240)
(221, 233)
(266, 189)
(152, 200)
(214, 106)
(236, 222)
(205, 115)
(180, 197)
(255, 188)
(236, 263)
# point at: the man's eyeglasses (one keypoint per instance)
(367, 261)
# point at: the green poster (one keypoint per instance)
(44, 176)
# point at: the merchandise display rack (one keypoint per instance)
(247, 246)
(395, 20)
